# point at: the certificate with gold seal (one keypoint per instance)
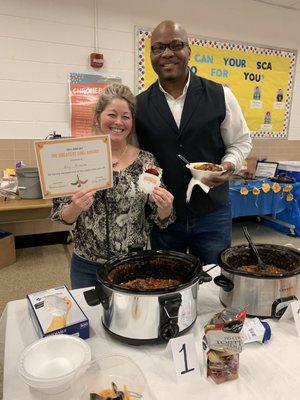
(69, 165)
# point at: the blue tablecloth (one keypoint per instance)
(266, 203)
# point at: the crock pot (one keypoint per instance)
(263, 294)
(146, 316)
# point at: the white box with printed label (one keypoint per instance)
(55, 311)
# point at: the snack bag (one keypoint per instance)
(222, 342)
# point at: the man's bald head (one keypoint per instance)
(167, 28)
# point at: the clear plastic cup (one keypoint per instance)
(116, 368)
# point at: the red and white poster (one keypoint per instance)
(84, 91)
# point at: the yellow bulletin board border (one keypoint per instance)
(258, 69)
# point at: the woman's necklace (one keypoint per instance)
(116, 163)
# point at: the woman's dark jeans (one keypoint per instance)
(83, 272)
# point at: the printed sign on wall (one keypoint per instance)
(84, 91)
(261, 78)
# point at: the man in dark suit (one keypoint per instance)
(182, 113)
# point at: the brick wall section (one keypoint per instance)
(277, 150)
(14, 150)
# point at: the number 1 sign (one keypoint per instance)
(185, 357)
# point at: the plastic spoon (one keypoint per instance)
(183, 159)
(260, 263)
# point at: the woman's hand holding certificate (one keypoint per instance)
(81, 201)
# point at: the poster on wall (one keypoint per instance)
(84, 91)
(260, 77)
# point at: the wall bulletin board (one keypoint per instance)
(260, 77)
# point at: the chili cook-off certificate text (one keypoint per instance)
(69, 165)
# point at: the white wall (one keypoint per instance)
(41, 41)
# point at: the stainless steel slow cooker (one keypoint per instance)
(137, 316)
(263, 294)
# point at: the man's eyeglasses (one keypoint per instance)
(175, 45)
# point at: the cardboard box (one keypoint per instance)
(55, 311)
(7, 249)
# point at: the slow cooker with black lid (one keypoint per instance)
(143, 316)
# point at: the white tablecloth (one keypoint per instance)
(267, 371)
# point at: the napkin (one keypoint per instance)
(190, 188)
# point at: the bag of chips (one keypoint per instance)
(222, 342)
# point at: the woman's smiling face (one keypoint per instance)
(116, 120)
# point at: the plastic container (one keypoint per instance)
(51, 365)
(225, 368)
(116, 368)
(290, 168)
(29, 183)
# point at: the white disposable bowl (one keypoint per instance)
(51, 364)
(199, 174)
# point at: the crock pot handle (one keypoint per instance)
(91, 297)
(204, 277)
(223, 282)
(135, 247)
(290, 245)
(96, 296)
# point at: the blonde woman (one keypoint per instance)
(108, 222)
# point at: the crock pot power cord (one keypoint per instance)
(209, 269)
(53, 135)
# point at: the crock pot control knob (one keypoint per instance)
(169, 331)
(168, 310)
